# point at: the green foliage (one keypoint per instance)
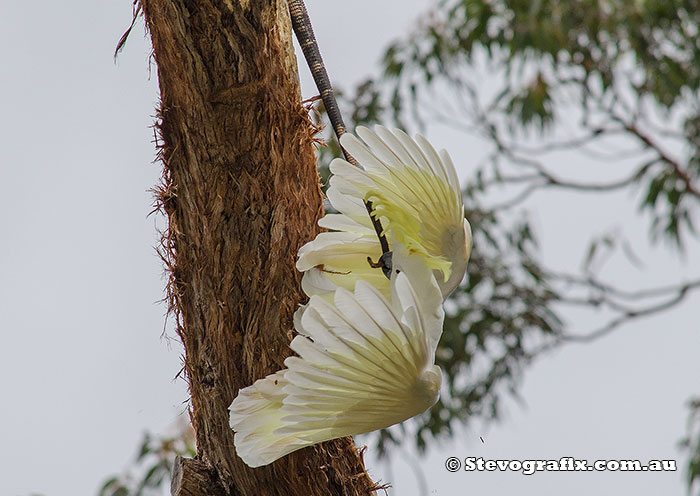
(592, 37)
(691, 444)
(533, 105)
(628, 68)
(153, 466)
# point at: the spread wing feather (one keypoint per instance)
(363, 363)
(415, 193)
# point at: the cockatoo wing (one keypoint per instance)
(364, 363)
(414, 191)
(340, 259)
(255, 414)
(429, 301)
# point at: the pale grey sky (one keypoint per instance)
(85, 369)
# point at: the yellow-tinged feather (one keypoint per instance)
(365, 362)
(414, 193)
(418, 208)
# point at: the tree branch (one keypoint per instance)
(680, 171)
(193, 477)
(608, 296)
(628, 316)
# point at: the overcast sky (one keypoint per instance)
(85, 369)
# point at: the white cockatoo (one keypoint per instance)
(414, 192)
(365, 362)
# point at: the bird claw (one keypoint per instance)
(384, 263)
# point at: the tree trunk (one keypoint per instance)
(241, 194)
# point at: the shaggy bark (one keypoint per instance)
(241, 194)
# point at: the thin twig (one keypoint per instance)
(629, 316)
(307, 40)
(690, 187)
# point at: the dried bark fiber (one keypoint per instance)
(241, 194)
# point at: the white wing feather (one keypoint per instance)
(414, 191)
(364, 363)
